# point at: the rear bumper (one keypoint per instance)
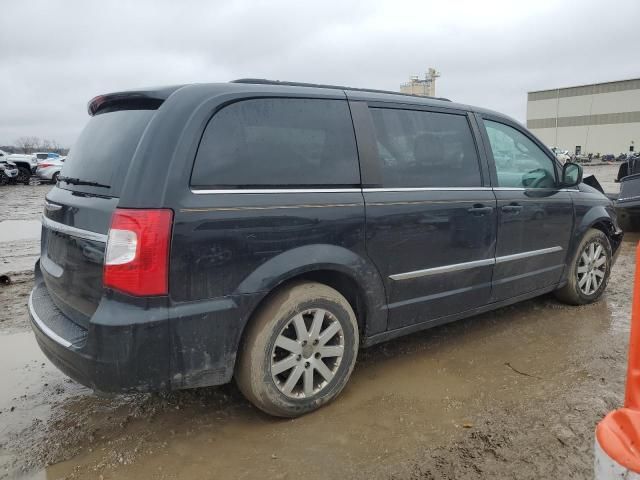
(119, 358)
(141, 347)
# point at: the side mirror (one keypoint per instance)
(571, 174)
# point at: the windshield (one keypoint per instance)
(104, 149)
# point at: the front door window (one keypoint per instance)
(520, 163)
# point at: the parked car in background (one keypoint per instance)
(50, 169)
(26, 164)
(265, 231)
(8, 172)
(562, 155)
(42, 156)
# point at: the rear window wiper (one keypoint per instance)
(77, 181)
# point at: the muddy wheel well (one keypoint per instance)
(605, 227)
(339, 281)
(344, 284)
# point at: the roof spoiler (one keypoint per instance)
(132, 100)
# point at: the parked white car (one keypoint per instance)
(42, 156)
(26, 164)
(50, 169)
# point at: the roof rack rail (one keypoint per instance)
(264, 81)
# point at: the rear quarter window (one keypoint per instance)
(274, 142)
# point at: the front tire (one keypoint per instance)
(589, 271)
(299, 350)
(24, 175)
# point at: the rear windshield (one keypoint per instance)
(104, 149)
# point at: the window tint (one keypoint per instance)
(276, 142)
(519, 161)
(425, 149)
(104, 150)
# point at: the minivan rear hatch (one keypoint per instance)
(78, 210)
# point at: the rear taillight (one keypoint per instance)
(42, 165)
(137, 256)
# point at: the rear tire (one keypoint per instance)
(54, 178)
(589, 270)
(299, 350)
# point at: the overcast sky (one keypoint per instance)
(57, 55)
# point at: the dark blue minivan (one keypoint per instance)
(264, 231)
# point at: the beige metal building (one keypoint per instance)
(425, 87)
(597, 118)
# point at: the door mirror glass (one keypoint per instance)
(571, 174)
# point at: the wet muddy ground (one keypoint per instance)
(514, 393)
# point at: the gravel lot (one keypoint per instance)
(514, 393)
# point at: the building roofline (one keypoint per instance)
(583, 85)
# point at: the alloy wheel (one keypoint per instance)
(592, 268)
(307, 353)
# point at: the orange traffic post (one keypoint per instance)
(617, 447)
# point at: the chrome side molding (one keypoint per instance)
(474, 264)
(532, 253)
(444, 269)
(199, 191)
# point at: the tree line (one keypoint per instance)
(34, 144)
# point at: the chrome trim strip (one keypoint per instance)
(199, 191)
(532, 253)
(474, 264)
(633, 197)
(46, 330)
(522, 189)
(73, 231)
(203, 191)
(444, 269)
(52, 207)
(426, 189)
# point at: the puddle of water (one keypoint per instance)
(12, 230)
(24, 369)
(30, 383)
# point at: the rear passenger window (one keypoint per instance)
(278, 142)
(425, 149)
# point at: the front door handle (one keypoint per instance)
(480, 210)
(512, 208)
